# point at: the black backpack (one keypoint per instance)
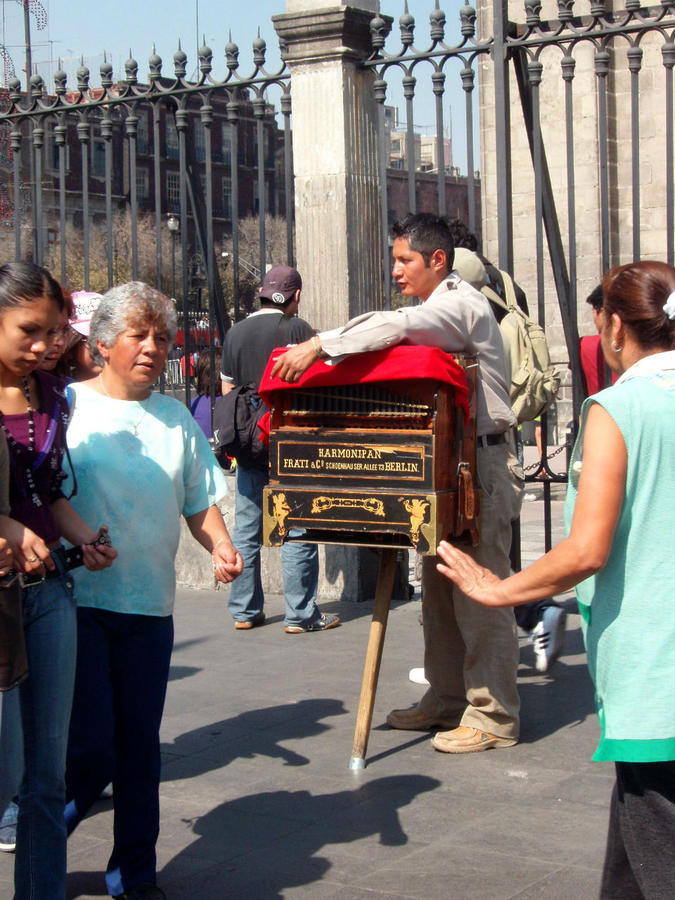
(235, 426)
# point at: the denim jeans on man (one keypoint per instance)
(122, 672)
(45, 698)
(300, 562)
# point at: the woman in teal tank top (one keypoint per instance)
(619, 513)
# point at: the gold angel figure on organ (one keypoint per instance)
(280, 511)
(417, 510)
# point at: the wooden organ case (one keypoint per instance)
(378, 451)
(388, 465)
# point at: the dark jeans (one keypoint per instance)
(45, 698)
(528, 614)
(120, 686)
(640, 857)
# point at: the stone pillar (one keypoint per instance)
(337, 204)
(337, 185)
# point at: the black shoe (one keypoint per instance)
(143, 891)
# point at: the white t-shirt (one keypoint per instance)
(139, 467)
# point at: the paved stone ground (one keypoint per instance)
(258, 801)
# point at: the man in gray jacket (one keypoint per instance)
(471, 655)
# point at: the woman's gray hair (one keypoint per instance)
(132, 302)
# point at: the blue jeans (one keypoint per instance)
(11, 747)
(122, 672)
(300, 562)
(45, 698)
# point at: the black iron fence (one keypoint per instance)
(151, 180)
(625, 158)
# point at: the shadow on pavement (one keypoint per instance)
(85, 884)
(258, 732)
(562, 698)
(267, 842)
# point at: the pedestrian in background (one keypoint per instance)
(247, 348)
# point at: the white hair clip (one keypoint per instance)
(669, 306)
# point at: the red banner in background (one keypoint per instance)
(197, 336)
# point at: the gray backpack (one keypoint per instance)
(534, 381)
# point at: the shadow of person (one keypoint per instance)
(85, 884)
(565, 698)
(342, 563)
(257, 732)
(265, 843)
(176, 673)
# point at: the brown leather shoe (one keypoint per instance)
(468, 740)
(414, 719)
(246, 624)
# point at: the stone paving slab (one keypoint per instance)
(258, 801)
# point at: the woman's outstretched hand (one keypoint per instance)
(475, 581)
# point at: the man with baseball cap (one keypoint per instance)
(246, 350)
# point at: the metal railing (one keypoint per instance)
(111, 162)
(542, 58)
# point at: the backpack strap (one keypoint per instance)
(494, 297)
(509, 290)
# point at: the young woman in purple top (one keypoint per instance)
(33, 416)
(201, 405)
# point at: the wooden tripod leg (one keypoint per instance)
(371, 668)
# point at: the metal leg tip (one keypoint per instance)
(356, 763)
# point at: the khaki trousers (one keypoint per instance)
(471, 651)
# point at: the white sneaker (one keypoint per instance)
(548, 637)
(417, 676)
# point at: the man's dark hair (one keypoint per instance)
(426, 233)
(270, 304)
(595, 298)
(461, 236)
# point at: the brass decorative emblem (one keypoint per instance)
(369, 504)
(280, 511)
(417, 509)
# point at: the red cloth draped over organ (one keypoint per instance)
(400, 363)
(377, 450)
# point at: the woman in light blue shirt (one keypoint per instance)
(139, 456)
